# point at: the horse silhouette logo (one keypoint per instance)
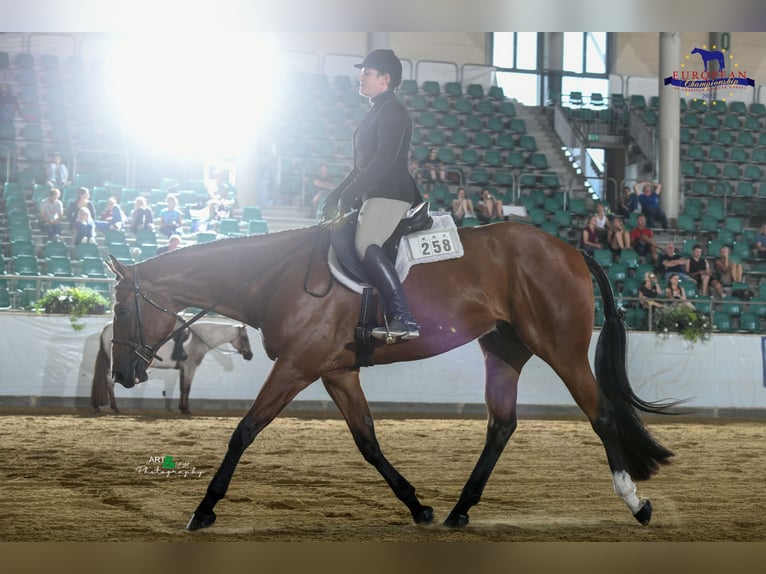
(711, 55)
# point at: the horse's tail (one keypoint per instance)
(99, 393)
(643, 454)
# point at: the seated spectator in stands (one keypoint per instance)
(113, 218)
(602, 223)
(223, 198)
(673, 262)
(170, 218)
(650, 203)
(628, 203)
(81, 200)
(432, 167)
(589, 238)
(675, 291)
(82, 228)
(760, 243)
(174, 242)
(649, 291)
(618, 238)
(642, 239)
(489, 207)
(727, 272)
(58, 174)
(322, 184)
(141, 218)
(51, 214)
(698, 269)
(462, 207)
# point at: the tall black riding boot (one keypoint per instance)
(400, 324)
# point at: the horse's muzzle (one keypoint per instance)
(247, 356)
(136, 373)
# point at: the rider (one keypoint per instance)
(380, 186)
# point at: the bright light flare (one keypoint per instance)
(195, 93)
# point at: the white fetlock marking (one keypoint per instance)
(625, 489)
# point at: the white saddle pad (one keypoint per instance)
(438, 243)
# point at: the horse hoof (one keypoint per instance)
(202, 521)
(644, 514)
(425, 515)
(456, 520)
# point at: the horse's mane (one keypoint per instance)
(289, 240)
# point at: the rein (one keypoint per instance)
(314, 250)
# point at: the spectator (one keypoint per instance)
(223, 197)
(642, 239)
(9, 105)
(673, 262)
(602, 223)
(432, 167)
(675, 291)
(760, 243)
(589, 239)
(58, 174)
(83, 226)
(323, 184)
(650, 203)
(698, 269)
(174, 242)
(618, 238)
(81, 200)
(141, 217)
(727, 272)
(628, 203)
(649, 291)
(112, 218)
(489, 207)
(51, 214)
(170, 218)
(462, 207)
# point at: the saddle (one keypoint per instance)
(342, 243)
(344, 231)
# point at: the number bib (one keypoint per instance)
(434, 245)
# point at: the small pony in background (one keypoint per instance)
(711, 55)
(203, 336)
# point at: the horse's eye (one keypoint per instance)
(120, 310)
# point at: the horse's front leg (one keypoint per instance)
(281, 386)
(502, 376)
(347, 394)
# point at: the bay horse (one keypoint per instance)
(518, 290)
(204, 336)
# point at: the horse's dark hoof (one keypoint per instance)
(456, 520)
(644, 515)
(425, 515)
(202, 521)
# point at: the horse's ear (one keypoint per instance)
(116, 267)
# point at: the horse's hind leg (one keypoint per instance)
(504, 356)
(346, 392)
(619, 429)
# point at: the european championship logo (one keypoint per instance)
(697, 77)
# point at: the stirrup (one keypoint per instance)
(397, 328)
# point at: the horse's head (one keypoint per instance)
(242, 343)
(142, 323)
